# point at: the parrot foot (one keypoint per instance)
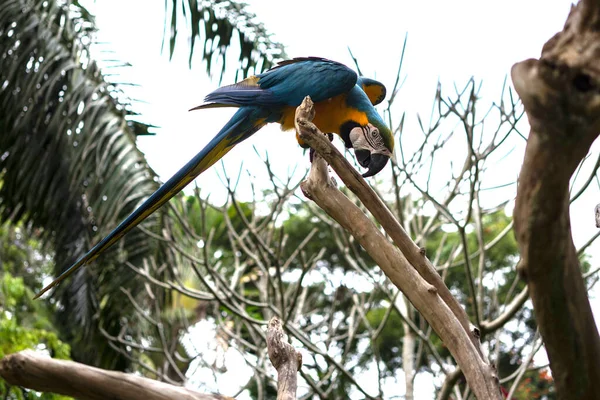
(311, 151)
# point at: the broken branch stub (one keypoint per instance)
(286, 360)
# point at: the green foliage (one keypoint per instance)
(69, 164)
(269, 392)
(206, 220)
(22, 254)
(20, 393)
(207, 231)
(500, 259)
(388, 344)
(535, 385)
(302, 221)
(25, 323)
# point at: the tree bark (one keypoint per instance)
(561, 95)
(286, 360)
(425, 296)
(35, 371)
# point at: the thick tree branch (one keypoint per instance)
(354, 181)
(425, 296)
(561, 95)
(286, 360)
(35, 371)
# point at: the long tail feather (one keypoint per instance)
(242, 125)
(211, 105)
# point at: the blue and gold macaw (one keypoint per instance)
(344, 104)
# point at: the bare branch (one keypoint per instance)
(34, 371)
(449, 383)
(382, 214)
(524, 366)
(509, 312)
(425, 295)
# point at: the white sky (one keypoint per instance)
(449, 41)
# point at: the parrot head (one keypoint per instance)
(373, 146)
(368, 135)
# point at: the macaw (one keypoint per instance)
(344, 104)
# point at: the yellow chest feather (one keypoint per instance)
(330, 115)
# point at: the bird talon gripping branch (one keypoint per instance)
(343, 104)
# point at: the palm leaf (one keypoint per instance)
(69, 163)
(216, 23)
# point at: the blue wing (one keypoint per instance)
(287, 84)
(245, 122)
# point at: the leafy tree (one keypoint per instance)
(24, 323)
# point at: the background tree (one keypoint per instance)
(69, 164)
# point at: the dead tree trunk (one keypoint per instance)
(561, 95)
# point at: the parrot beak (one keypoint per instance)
(369, 149)
(378, 161)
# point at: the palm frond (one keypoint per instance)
(69, 163)
(215, 23)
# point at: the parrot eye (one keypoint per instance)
(374, 138)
